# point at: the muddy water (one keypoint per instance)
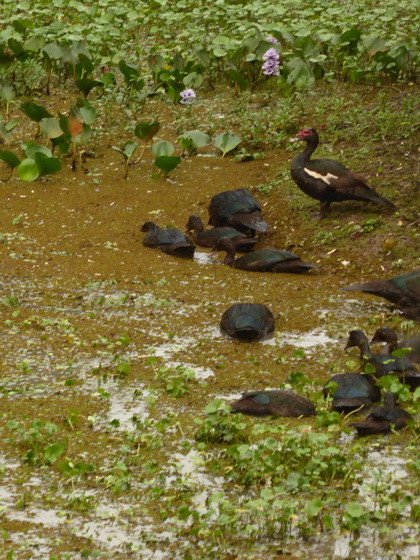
(82, 298)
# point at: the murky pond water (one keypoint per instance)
(118, 347)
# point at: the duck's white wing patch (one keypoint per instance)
(326, 178)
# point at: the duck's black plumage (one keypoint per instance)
(237, 209)
(383, 418)
(351, 391)
(384, 364)
(263, 260)
(248, 321)
(388, 335)
(210, 237)
(328, 180)
(402, 290)
(273, 403)
(169, 240)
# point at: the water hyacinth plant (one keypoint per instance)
(271, 64)
(187, 96)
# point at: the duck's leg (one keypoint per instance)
(325, 208)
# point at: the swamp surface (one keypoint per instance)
(112, 354)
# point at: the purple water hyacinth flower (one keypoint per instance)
(272, 39)
(271, 64)
(187, 96)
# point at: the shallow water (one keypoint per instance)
(94, 326)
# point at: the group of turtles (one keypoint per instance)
(236, 219)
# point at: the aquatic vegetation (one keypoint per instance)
(115, 377)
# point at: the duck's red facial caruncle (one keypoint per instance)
(303, 134)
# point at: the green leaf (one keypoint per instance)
(227, 142)
(52, 51)
(47, 165)
(197, 139)
(236, 77)
(127, 150)
(50, 127)
(314, 507)
(354, 509)
(35, 112)
(6, 90)
(84, 136)
(86, 110)
(34, 43)
(108, 78)
(9, 158)
(193, 80)
(28, 170)
(299, 73)
(373, 44)
(167, 163)
(53, 452)
(124, 368)
(174, 92)
(5, 134)
(86, 85)
(31, 149)
(163, 148)
(145, 130)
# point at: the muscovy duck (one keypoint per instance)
(263, 260)
(210, 237)
(273, 403)
(402, 290)
(237, 209)
(388, 335)
(383, 418)
(247, 321)
(170, 240)
(350, 391)
(328, 180)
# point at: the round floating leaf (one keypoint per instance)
(47, 165)
(227, 142)
(167, 163)
(28, 170)
(35, 112)
(199, 139)
(145, 130)
(50, 127)
(163, 148)
(32, 149)
(9, 158)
